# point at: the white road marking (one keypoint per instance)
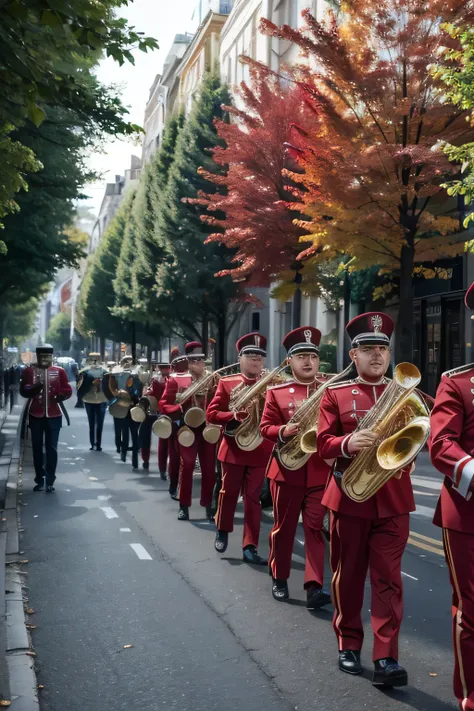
(93, 478)
(125, 530)
(103, 497)
(424, 511)
(409, 576)
(109, 512)
(426, 482)
(141, 552)
(424, 493)
(300, 542)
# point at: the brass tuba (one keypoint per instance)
(247, 433)
(296, 452)
(401, 419)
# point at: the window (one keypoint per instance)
(225, 6)
(255, 321)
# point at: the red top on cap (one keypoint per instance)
(469, 298)
(305, 339)
(194, 349)
(373, 328)
(252, 343)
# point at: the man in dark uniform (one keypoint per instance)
(90, 391)
(46, 386)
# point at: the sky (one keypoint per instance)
(161, 19)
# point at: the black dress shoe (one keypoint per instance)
(388, 672)
(183, 514)
(163, 476)
(316, 597)
(222, 539)
(349, 661)
(91, 449)
(174, 493)
(209, 513)
(251, 556)
(118, 450)
(50, 488)
(98, 448)
(280, 590)
(123, 456)
(146, 465)
(38, 487)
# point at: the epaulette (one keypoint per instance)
(458, 371)
(343, 384)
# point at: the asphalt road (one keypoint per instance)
(110, 566)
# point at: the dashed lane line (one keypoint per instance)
(109, 512)
(141, 552)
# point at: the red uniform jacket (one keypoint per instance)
(45, 403)
(156, 388)
(342, 408)
(452, 450)
(218, 413)
(177, 383)
(280, 405)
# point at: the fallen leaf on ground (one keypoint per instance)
(433, 674)
(40, 686)
(29, 611)
(4, 702)
(30, 627)
(30, 653)
(127, 646)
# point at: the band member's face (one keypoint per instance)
(251, 364)
(371, 361)
(196, 367)
(45, 360)
(165, 372)
(304, 366)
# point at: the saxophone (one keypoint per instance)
(250, 398)
(401, 419)
(296, 452)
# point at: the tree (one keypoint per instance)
(97, 297)
(254, 191)
(373, 163)
(59, 332)
(46, 53)
(185, 277)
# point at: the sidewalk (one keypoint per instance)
(17, 676)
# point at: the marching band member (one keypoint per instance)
(123, 390)
(90, 391)
(46, 386)
(299, 491)
(451, 448)
(155, 390)
(241, 470)
(179, 364)
(371, 534)
(206, 451)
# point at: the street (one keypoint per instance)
(111, 566)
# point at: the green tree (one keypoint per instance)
(18, 321)
(47, 50)
(185, 277)
(59, 332)
(97, 297)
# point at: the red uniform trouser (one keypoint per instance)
(358, 545)
(237, 478)
(187, 459)
(162, 454)
(288, 502)
(173, 465)
(459, 551)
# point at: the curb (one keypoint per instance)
(18, 649)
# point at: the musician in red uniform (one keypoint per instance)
(46, 386)
(155, 390)
(452, 449)
(241, 470)
(371, 535)
(206, 451)
(299, 491)
(179, 364)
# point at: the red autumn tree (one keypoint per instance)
(258, 224)
(373, 161)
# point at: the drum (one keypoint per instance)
(194, 417)
(186, 437)
(163, 427)
(212, 433)
(138, 414)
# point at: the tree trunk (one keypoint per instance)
(404, 331)
(296, 311)
(134, 341)
(221, 341)
(205, 333)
